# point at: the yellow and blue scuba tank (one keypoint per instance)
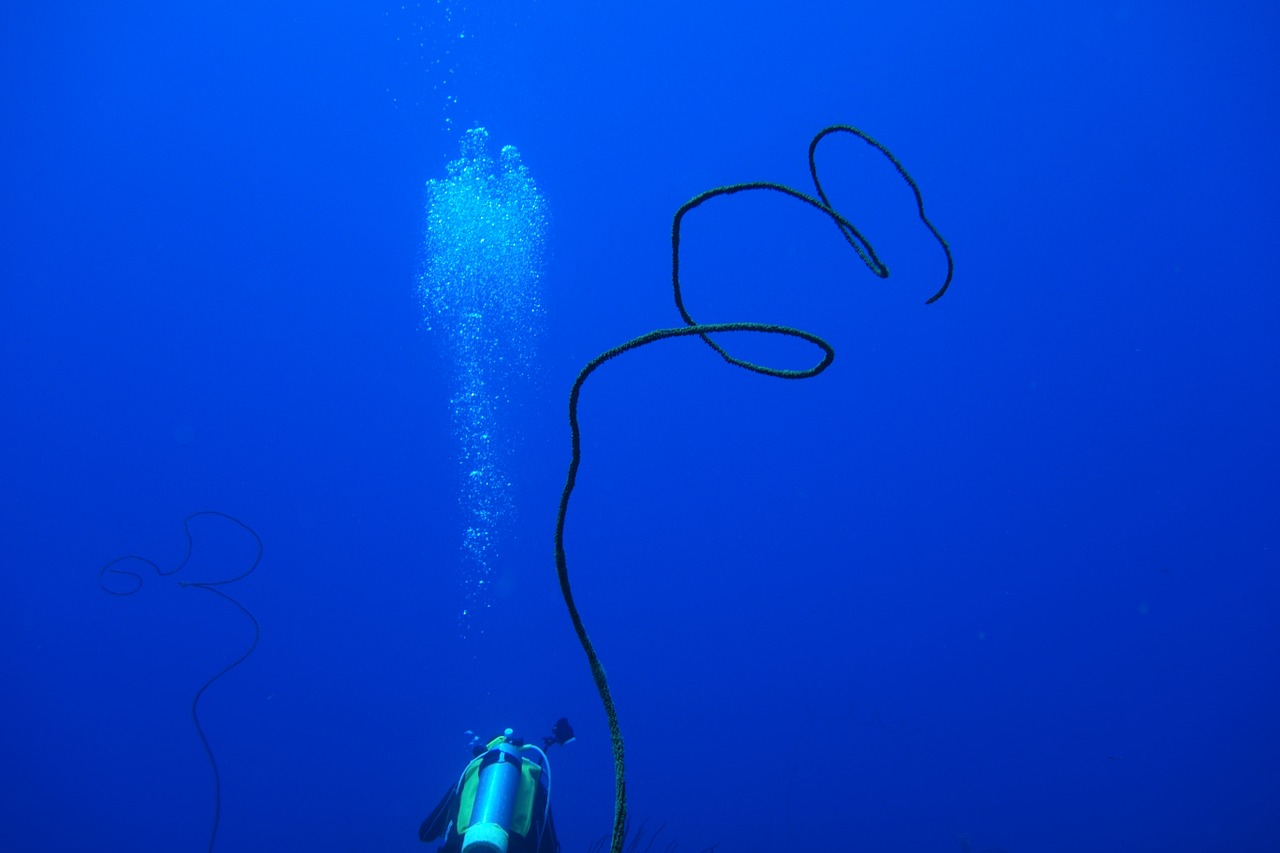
(498, 796)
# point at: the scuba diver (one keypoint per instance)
(502, 801)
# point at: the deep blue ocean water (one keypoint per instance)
(1003, 578)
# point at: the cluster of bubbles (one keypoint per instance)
(480, 283)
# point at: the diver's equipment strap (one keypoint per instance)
(526, 796)
(467, 794)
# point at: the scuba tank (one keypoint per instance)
(498, 780)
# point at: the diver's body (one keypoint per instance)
(501, 801)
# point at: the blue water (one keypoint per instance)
(1003, 578)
